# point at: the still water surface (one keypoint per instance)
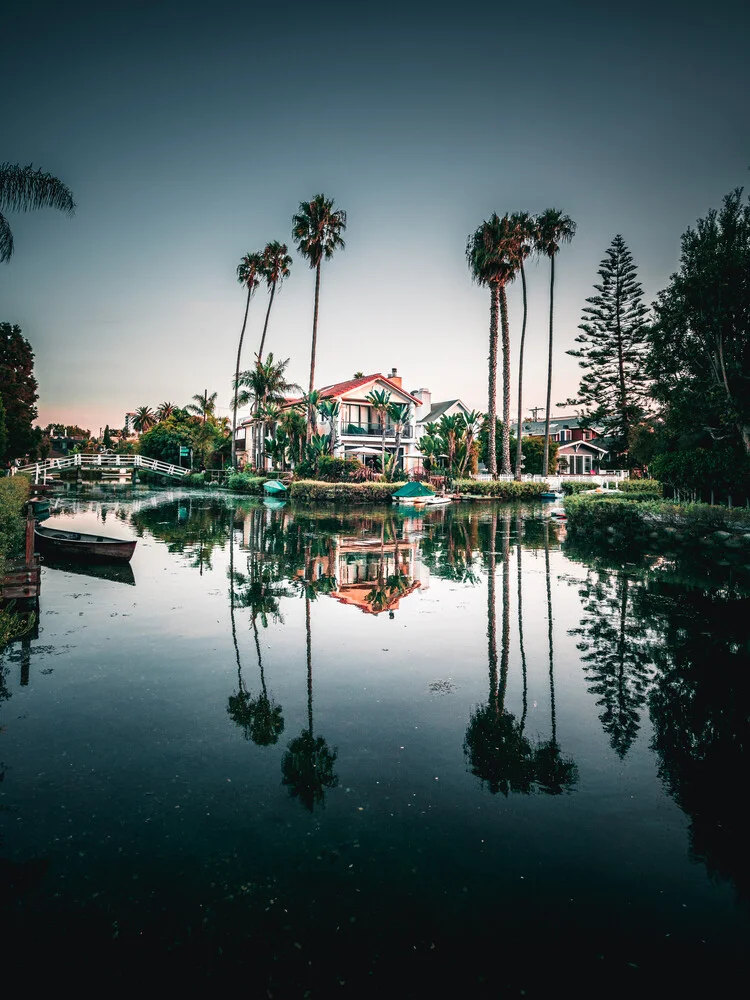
(316, 751)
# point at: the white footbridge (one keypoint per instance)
(52, 467)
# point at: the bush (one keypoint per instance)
(308, 490)
(642, 489)
(243, 482)
(500, 488)
(194, 479)
(623, 523)
(570, 489)
(337, 470)
(14, 492)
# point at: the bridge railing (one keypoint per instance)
(52, 465)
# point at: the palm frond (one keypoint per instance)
(23, 189)
(6, 240)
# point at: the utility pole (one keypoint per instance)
(534, 410)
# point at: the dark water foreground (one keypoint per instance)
(315, 753)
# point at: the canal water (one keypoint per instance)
(322, 751)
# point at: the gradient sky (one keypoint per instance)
(190, 132)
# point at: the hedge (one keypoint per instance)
(313, 490)
(570, 489)
(500, 488)
(622, 523)
(641, 486)
(14, 492)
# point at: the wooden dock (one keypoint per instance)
(23, 580)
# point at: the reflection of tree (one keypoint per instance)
(194, 528)
(307, 766)
(498, 752)
(554, 772)
(260, 718)
(700, 710)
(616, 655)
(449, 545)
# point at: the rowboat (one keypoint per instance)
(274, 488)
(39, 506)
(77, 545)
(552, 495)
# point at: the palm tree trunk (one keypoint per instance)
(308, 632)
(519, 450)
(506, 381)
(265, 325)
(505, 640)
(519, 529)
(236, 378)
(491, 622)
(382, 447)
(550, 642)
(545, 460)
(492, 386)
(312, 353)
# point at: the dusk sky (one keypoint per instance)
(189, 133)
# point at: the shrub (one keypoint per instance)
(14, 492)
(308, 490)
(243, 482)
(570, 489)
(337, 470)
(500, 488)
(194, 479)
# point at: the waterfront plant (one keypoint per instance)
(500, 489)
(311, 490)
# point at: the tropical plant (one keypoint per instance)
(204, 406)
(23, 189)
(275, 266)
(492, 255)
(144, 419)
(553, 229)
(294, 425)
(380, 400)
(329, 410)
(398, 415)
(164, 410)
(261, 385)
(316, 230)
(248, 275)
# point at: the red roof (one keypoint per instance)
(340, 388)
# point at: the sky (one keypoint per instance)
(189, 133)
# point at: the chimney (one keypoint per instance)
(395, 377)
(426, 396)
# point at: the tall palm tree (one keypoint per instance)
(204, 405)
(275, 266)
(23, 189)
(248, 274)
(552, 230)
(316, 230)
(144, 419)
(264, 383)
(164, 410)
(380, 401)
(492, 256)
(526, 226)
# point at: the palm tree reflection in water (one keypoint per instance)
(498, 751)
(307, 766)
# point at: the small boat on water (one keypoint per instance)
(552, 495)
(413, 493)
(434, 501)
(39, 506)
(558, 513)
(274, 488)
(77, 545)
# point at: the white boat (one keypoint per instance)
(433, 501)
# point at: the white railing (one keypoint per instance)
(122, 462)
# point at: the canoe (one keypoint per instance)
(77, 545)
(274, 488)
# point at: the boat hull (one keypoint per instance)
(77, 545)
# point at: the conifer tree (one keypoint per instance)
(613, 348)
(19, 391)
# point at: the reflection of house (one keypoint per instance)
(369, 573)
(579, 450)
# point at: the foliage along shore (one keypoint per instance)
(624, 525)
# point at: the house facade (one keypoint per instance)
(358, 428)
(579, 451)
(431, 412)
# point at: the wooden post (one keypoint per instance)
(30, 522)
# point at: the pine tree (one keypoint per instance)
(19, 391)
(613, 349)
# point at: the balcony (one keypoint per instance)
(367, 429)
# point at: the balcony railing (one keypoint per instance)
(373, 429)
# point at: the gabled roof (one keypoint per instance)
(341, 388)
(576, 446)
(438, 409)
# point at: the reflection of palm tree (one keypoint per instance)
(307, 766)
(497, 750)
(259, 718)
(520, 620)
(554, 773)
